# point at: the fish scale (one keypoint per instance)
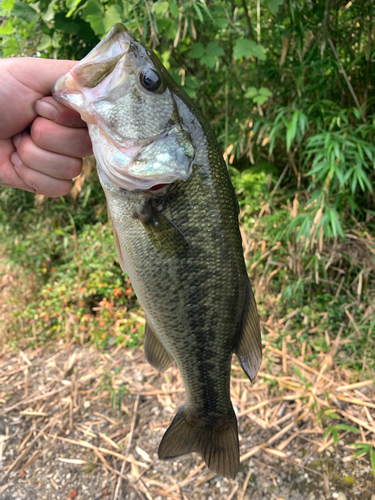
(179, 242)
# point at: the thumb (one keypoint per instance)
(23, 81)
(50, 108)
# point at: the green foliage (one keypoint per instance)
(68, 248)
(116, 390)
(244, 48)
(286, 79)
(334, 430)
(258, 96)
(362, 448)
(289, 95)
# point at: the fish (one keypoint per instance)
(174, 216)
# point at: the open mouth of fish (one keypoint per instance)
(92, 88)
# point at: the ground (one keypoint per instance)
(64, 433)
(85, 423)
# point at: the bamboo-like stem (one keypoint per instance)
(345, 76)
(251, 32)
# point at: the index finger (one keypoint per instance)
(49, 108)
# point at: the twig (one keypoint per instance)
(246, 482)
(280, 180)
(345, 76)
(233, 492)
(274, 438)
(251, 32)
(154, 38)
(118, 486)
(32, 400)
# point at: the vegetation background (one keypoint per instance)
(288, 88)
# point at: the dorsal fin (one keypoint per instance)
(155, 352)
(249, 349)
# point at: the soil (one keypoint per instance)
(64, 434)
(81, 423)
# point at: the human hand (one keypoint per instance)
(42, 142)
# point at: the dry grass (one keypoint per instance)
(64, 432)
(58, 399)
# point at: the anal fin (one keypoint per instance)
(155, 352)
(249, 349)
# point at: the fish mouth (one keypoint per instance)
(104, 62)
(139, 167)
(141, 163)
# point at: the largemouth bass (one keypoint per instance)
(175, 224)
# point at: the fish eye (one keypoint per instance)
(150, 80)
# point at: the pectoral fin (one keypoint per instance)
(155, 352)
(249, 349)
(165, 236)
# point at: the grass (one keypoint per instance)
(315, 298)
(75, 289)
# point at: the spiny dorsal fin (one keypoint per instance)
(165, 236)
(155, 352)
(218, 444)
(249, 349)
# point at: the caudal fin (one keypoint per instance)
(218, 445)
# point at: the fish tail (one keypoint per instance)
(217, 444)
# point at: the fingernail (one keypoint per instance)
(17, 139)
(46, 109)
(16, 160)
(29, 184)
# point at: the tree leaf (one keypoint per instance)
(69, 26)
(112, 16)
(260, 99)
(93, 8)
(221, 22)
(193, 82)
(274, 5)
(265, 92)
(247, 48)
(243, 48)
(7, 5)
(45, 42)
(198, 11)
(7, 27)
(197, 51)
(96, 23)
(251, 92)
(259, 52)
(213, 49)
(174, 8)
(10, 48)
(160, 8)
(207, 11)
(25, 12)
(72, 6)
(209, 61)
